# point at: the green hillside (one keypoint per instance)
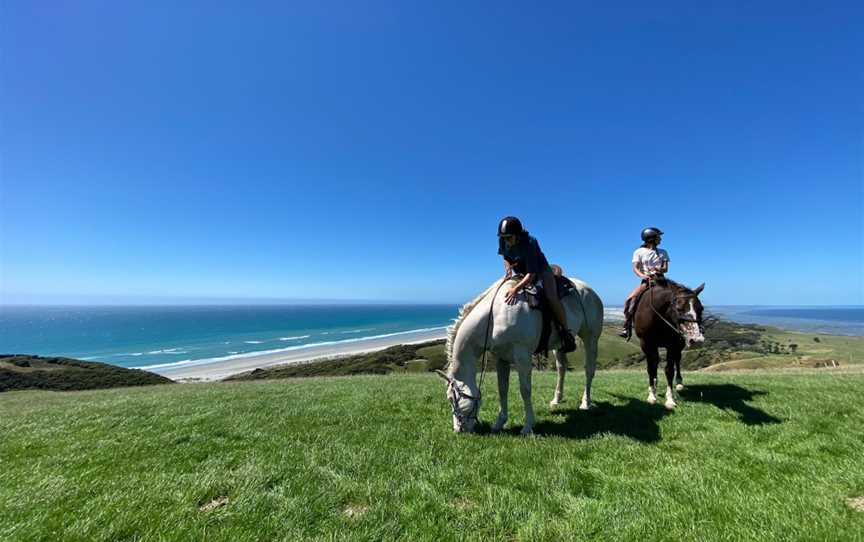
(747, 456)
(22, 372)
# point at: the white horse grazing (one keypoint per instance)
(514, 335)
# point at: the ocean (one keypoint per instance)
(159, 336)
(837, 320)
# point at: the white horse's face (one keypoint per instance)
(465, 406)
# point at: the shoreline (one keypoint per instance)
(206, 371)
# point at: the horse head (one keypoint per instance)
(464, 402)
(688, 312)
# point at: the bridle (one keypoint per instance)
(457, 394)
(674, 303)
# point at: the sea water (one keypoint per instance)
(833, 320)
(145, 336)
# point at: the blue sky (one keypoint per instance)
(165, 150)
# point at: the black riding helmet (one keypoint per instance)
(510, 225)
(650, 233)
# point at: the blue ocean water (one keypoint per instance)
(144, 336)
(844, 320)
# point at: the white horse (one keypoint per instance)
(515, 332)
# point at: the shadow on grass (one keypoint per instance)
(634, 419)
(732, 398)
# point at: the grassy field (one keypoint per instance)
(747, 456)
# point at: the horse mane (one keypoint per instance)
(463, 313)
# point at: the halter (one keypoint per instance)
(459, 394)
(454, 403)
(680, 318)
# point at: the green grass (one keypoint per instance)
(747, 456)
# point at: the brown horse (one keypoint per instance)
(669, 315)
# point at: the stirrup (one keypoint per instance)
(568, 341)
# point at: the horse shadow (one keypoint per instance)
(730, 397)
(634, 419)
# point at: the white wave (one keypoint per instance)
(293, 338)
(233, 352)
(193, 362)
(613, 314)
(358, 330)
(253, 342)
(168, 351)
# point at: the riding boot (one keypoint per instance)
(628, 322)
(568, 341)
(626, 330)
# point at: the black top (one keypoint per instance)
(525, 256)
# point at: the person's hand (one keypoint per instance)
(510, 296)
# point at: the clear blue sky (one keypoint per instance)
(367, 150)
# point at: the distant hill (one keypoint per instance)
(22, 372)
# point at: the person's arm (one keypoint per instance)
(508, 270)
(664, 263)
(510, 297)
(639, 273)
(527, 279)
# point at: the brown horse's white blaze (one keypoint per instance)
(690, 328)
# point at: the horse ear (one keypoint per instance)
(699, 289)
(442, 374)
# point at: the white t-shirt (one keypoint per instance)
(650, 260)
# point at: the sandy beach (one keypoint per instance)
(218, 368)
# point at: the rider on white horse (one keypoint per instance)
(522, 255)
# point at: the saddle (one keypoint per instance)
(537, 301)
(659, 281)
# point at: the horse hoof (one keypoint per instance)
(497, 426)
(670, 405)
(527, 432)
(585, 405)
(555, 402)
(652, 400)
(679, 387)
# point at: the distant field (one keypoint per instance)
(728, 346)
(761, 455)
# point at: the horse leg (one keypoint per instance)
(673, 357)
(679, 382)
(653, 358)
(590, 366)
(502, 369)
(561, 367)
(523, 366)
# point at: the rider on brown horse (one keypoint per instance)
(649, 262)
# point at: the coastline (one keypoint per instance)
(217, 369)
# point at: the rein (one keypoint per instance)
(459, 393)
(674, 328)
